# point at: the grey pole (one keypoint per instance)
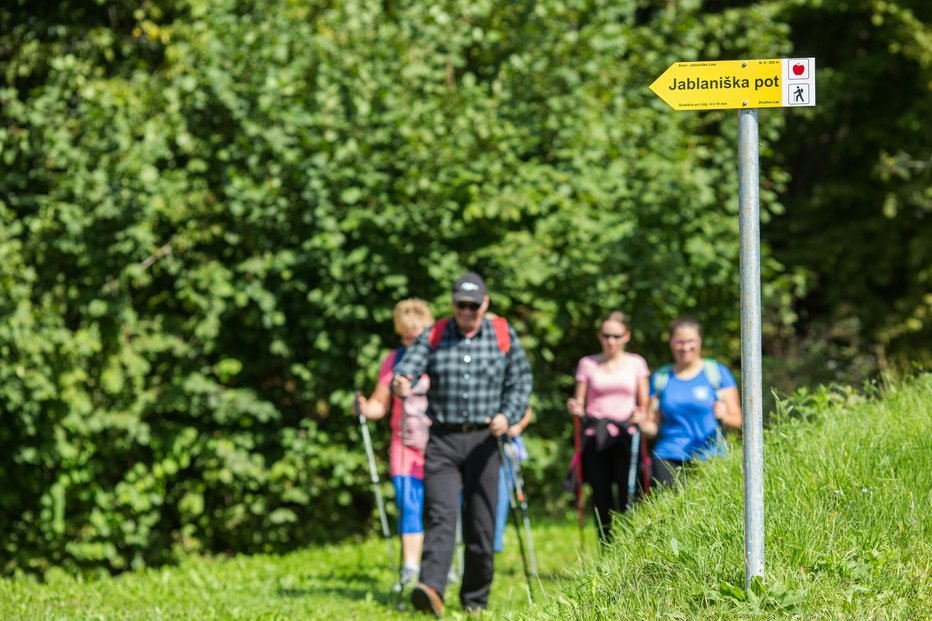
(751, 374)
(374, 478)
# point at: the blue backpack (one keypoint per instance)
(709, 367)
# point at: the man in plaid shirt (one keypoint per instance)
(477, 391)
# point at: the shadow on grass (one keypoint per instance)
(518, 573)
(354, 586)
(363, 584)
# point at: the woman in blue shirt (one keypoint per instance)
(690, 400)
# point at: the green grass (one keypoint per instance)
(848, 494)
(348, 581)
(848, 497)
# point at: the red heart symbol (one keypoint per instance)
(799, 69)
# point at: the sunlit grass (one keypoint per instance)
(848, 495)
(848, 488)
(348, 581)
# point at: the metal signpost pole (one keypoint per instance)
(745, 85)
(751, 374)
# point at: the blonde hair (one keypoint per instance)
(411, 313)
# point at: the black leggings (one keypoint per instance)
(606, 471)
(665, 471)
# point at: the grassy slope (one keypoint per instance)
(848, 500)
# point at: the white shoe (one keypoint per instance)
(407, 578)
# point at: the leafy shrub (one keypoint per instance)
(208, 209)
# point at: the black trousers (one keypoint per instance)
(606, 470)
(665, 471)
(454, 463)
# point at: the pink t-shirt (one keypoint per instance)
(416, 421)
(611, 395)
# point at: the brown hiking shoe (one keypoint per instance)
(426, 599)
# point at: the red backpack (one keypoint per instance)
(499, 323)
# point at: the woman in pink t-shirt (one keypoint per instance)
(611, 397)
(406, 459)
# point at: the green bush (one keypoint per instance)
(208, 210)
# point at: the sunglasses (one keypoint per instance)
(607, 336)
(680, 342)
(467, 306)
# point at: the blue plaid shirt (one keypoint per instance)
(470, 378)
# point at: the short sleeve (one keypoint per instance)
(584, 369)
(385, 371)
(641, 369)
(728, 380)
(653, 378)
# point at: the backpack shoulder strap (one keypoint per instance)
(399, 354)
(712, 372)
(501, 333)
(500, 324)
(436, 332)
(661, 377)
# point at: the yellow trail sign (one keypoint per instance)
(723, 84)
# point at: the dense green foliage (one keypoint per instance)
(208, 209)
(848, 538)
(858, 216)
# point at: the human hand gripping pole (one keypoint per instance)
(374, 478)
(498, 425)
(401, 385)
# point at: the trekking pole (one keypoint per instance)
(719, 433)
(403, 489)
(514, 512)
(459, 557)
(577, 441)
(374, 478)
(646, 466)
(517, 480)
(633, 466)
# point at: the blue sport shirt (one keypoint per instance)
(688, 429)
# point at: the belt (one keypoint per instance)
(458, 427)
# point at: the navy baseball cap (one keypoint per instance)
(469, 288)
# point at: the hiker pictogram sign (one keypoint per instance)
(724, 84)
